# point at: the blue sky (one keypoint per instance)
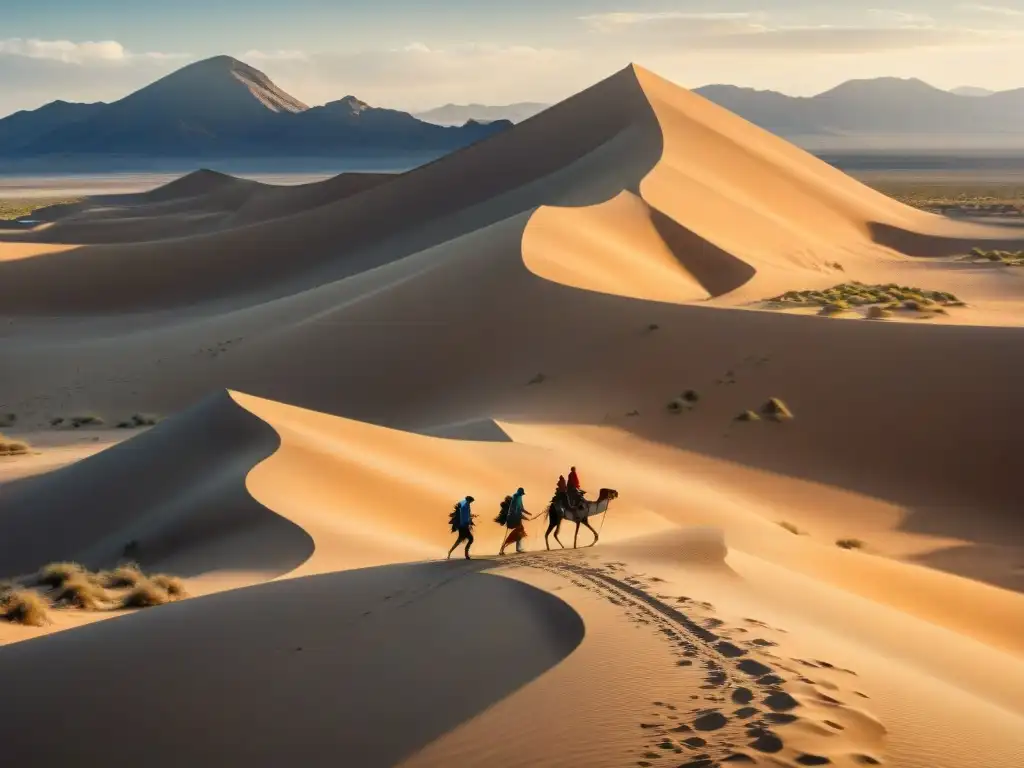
(415, 55)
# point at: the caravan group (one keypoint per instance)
(569, 502)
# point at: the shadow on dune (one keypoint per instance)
(175, 490)
(921, 244)
(717, 270)
(355, 668)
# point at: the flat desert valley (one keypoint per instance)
(238, 415)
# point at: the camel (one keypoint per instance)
(559, 510)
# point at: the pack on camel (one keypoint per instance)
(560, 509)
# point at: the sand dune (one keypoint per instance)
(341, 361)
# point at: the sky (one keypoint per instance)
(414, 55)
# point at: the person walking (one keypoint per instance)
(462, 521)
(514, 520)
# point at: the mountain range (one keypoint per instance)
(882, 107)
(222, 107)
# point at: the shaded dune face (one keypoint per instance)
(346, 674)
(178, 490)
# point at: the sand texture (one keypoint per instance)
(331, 366)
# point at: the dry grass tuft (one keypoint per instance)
(123, 576)
(850, 544)
(145, 594)
(82, 592)
(10, 447)
(55, 574)
(776, 409)
(172, 585)
(86, 420)
(24, 606)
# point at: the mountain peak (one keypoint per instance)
(222, 79)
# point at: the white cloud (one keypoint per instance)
(997, 10)
(70, 52)
(883, 30)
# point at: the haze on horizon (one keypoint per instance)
(399, 54)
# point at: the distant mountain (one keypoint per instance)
(459, 114)
(884, 106)
(971, 90)
(222, 107)
(22, 127)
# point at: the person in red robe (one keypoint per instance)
(575, 494)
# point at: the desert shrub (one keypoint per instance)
(834, 308)
(10, 447)
(676, 405)
(691, 396)
(86, 420)
(850, 544)
(172, 585)
(776, 409)
(790, 527)
(121, 577)
(81, 592)
(748, 416)
(145, 594)
(56, 421)
(24, 606)
(538, 379)
(55, 574)
(878, 313)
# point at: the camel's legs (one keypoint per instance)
(557, 529)
(576, 535)
(586, 523)
(552, 527)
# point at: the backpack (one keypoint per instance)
(453, 517)
(502, 518)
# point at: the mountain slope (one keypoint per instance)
(25, 126)
(885, 105)
(223, 107)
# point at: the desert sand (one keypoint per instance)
(338, 363)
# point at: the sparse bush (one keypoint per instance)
(653, 327)
(145, 594)
(24, 606)
(790, 527)
(86, 420)
(677, 405)
(878, 313)
(121, 577)
(691, 396)
(80, 591)
(55, 574)
(776, 409)
(172, 585)
(10, 447)
(834, 308)
(56, 421)
(748, 416)
(850, 544)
